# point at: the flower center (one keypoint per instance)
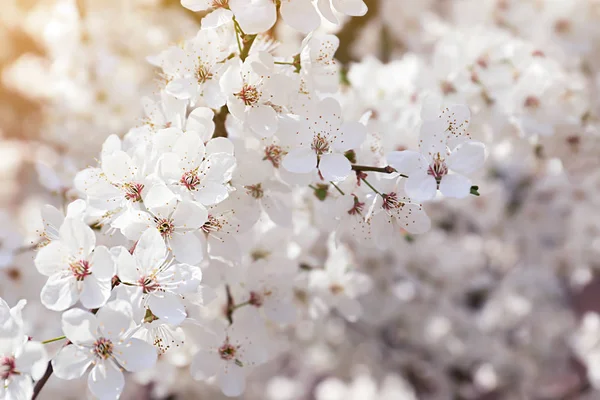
(274, 154)
(103, 348)
(256, 299)
(133, 191)
(148, 284)
(255, 191)
(80, 269)
(390, 201)
(220, 3)
(336, 288)
(249, 95)
(190, 179)
(438, 169)
(212, 224)
(227, 351)
(532, 102)
(320, 144)
(203, 74)
(8, 367)
(165, 226)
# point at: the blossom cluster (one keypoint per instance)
(281, 212)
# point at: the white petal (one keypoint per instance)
(232, 380)
(189, 215)
(355, 8)
(52, 258)
(334, 167)
(135, 355)
(300, 15)
(32, 358)
(106, 381)
(262, 120)
(467, 157)
(211, 193)
(300, 161)
(455, 185)
(150, 253)
(196, 5)
(186, 248)
(103, 266)
(118, 167)
(219, 145)
(78, 237)
(80, 326)
(433, 137)
(200, 121)
(352, 135)
(71, 362)
(407, 162)
(127, 267)
(182, 88)
(160, 198)
(204, 365)
(95, 292)
(325, 9)
(254, 16)
(420, 187)
(115, 319)
(278, 210)
(413, 219)
(167, 307)
(60, 292)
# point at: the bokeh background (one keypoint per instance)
(498, 301)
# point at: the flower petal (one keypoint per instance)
(95, 292)
(103, 266)
(80, 326)
(167, 307)
(135, 355)
(60, 292)
(262, 120)
(334, 167)
(78, 237)
(52, 258)
(186, 247)
(115, 319)
(300, 161)
(204, 365)
(467, 157)
(420, 187)
(232, 380)
(106, 381)
(300, 15)
(456, 186)
(407, 162)
(71, 362)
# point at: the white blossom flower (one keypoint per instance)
(446, 156)
(256, 93)
(194, 170)
(177, 221)
(230, 353)
(22, 361)
(194, 70)
(76, 268)
(321, 141)
(337, 286)
(102, 340)
(159, 282)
